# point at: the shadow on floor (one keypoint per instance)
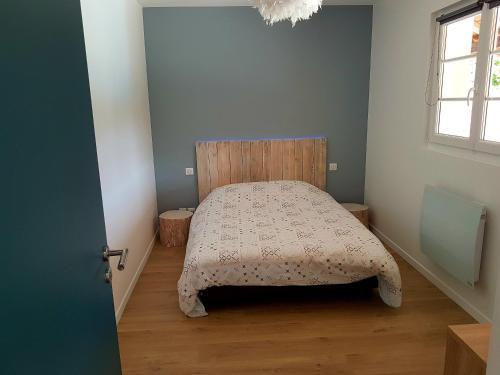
(245, 296)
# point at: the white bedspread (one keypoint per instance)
(280, 233)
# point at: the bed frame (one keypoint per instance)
(221, 163)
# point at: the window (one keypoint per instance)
(467, 110)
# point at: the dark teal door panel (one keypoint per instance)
(56, 311)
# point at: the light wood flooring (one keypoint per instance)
(340, 331)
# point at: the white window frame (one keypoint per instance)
(475, 142)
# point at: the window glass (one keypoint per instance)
(463, 64)
(495, 77)
(462, 37)
(455, 118)
(458, 78)
(497, 43)
(492, 126)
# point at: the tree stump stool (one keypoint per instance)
(174, 228)
(360, 211)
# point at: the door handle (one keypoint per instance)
(123, 254)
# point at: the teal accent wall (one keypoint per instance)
(224, 73)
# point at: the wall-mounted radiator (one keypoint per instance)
(452, 231)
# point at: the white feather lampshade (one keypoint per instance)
(294, 10)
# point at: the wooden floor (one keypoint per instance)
(300, 331)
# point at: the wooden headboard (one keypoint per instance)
(222, 163)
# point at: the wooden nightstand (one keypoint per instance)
(360, 211)
(174, 228)
(467, 349)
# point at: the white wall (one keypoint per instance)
(399, 161)
(114, 41)
(219, 3)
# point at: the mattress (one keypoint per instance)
(279, 233)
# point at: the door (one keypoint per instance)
(56, 310)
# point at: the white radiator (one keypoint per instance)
(452, 231)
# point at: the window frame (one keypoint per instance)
(488, 34)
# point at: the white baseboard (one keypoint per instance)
(433, 278)
(133, 282)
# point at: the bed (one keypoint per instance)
(276, 226)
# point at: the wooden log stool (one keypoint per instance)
(174, 228)
(360, 211)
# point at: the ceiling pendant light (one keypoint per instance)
(294, 10)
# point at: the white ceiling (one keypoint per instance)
(215, 3)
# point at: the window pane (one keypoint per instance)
(458, 78)
(495, 77)
(492, 128)
(455, 118)
(462, 37)
(497, 44)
